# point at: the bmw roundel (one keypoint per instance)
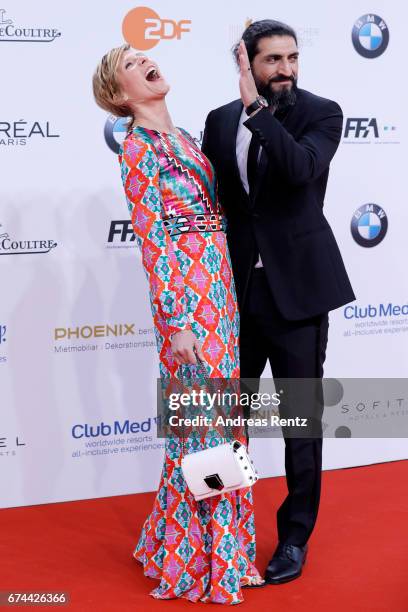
(369, 225)
(115, 132)
(370, 36)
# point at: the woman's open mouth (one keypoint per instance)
(152, 74)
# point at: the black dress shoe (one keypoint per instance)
(286, 563)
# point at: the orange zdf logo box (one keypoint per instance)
(143, 28)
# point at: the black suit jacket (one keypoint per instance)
(284, 218)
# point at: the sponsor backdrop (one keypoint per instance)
(78, 364)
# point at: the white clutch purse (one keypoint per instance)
(219, 469)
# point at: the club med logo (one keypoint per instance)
(19, 133)
(9, 32)
(369, 225)
(143, 28)
(368, 130)
(381, 310)
(94, 331)
(121, 235)
(8, 246)
(117, 428)
(370, 36)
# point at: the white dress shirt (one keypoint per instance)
(243, 140)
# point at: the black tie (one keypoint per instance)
(252, 163)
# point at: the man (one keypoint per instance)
(271, 151)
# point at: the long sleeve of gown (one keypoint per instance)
(140, 175)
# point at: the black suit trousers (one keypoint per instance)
(295, 349)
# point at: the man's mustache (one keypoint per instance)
(281, 79)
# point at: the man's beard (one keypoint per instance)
(281, 99)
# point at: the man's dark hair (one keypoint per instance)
(262, 29)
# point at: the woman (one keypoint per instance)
(201, 551)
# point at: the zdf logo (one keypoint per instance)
(143, 28)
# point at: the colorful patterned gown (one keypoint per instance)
(205, 550)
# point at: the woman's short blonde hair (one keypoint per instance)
(105, 85)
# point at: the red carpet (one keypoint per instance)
(357, 562)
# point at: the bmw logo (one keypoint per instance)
(115, 132)
(369, 225)
(370, 36)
